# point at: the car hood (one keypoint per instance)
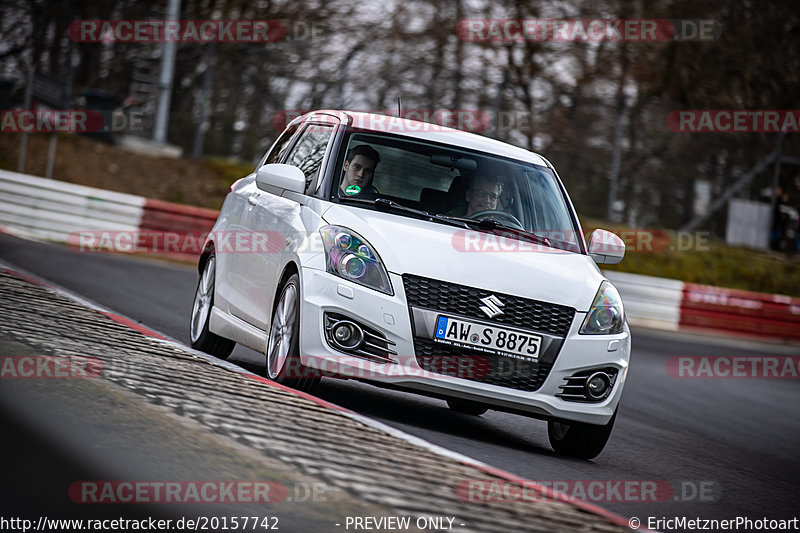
(433, 250)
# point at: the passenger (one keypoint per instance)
(359, 170)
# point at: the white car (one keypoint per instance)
(424, 259)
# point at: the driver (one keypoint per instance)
(482, 195)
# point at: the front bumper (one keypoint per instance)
(322, 292)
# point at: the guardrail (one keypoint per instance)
(752, 313)
(52, 210)
(671, 304)
(55, 210)
(159, 217)
(650, 302)
(165, 216)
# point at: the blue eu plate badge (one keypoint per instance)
(441, 327)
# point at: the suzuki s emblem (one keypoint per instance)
(492, 307)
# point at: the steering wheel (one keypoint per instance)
(497, 214)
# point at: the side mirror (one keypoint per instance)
(277, 178)
(606, 248)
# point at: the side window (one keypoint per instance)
(279, 148)
(307, 154)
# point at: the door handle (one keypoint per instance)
(252, 200)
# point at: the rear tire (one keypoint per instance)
(283, 344)
(578, 439)
(202, 339)
(467, 407)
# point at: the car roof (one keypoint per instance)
(431, 132)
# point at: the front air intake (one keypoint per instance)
(346, 335)
(588, 386)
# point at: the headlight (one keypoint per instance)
(349, 256)
(606, 315)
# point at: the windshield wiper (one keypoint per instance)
(488, 224)
(356, 200)
(384, 204)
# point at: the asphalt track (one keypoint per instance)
(728, 447)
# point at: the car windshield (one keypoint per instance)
(417, 176)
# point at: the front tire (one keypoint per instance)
(283, 346)
(578, 439)
(202, 339)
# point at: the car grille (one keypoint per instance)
(464, 301)
(520, 374)
(492, 369)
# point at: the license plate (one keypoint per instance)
(490, 339)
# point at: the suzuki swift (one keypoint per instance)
(421, 258)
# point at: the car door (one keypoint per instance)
(234, 283)
(273, 217)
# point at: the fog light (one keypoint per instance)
(343, 334)
(347, 334)
(597, 385)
